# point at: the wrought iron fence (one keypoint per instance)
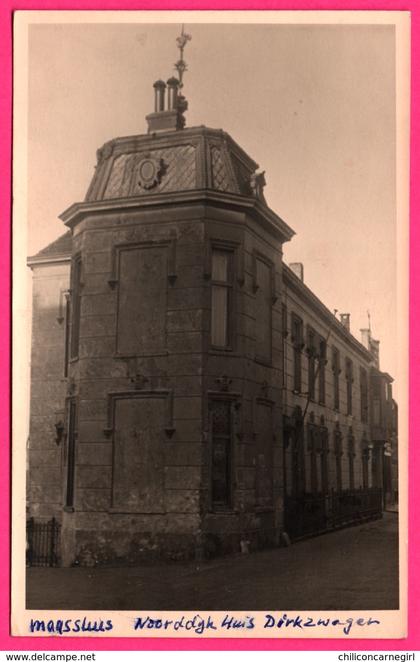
(305, 515)
(309, 514)
(42, 540)
(355, 505)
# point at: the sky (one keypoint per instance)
(314, 105)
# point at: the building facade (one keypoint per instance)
(190, 395)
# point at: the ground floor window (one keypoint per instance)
(221, 453)
(71, 451)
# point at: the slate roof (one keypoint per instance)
(60, 247)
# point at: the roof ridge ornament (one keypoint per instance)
(181, 65)
(170, 116)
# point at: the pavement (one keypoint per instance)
(354, 568)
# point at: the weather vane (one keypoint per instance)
(181, 65)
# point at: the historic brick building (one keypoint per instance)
(189, 393)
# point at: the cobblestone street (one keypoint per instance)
(355, 568)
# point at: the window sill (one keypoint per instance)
(68, 509)
(139, 355)
(229, 512)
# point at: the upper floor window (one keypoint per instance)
(336, 376)
(263, 312)
(376, 402)
(297, 340)
(221, 297)
(321, 369)
(76, 282)
(349, 386)
(284, 333)
(311, 351)
(364, 400)
(351, 454)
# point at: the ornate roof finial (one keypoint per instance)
(181, 65)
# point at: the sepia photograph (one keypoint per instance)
(210, 260)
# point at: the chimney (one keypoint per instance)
(365, 335)
(169, 119)
(159, 96)
(297, 268)
(345, 320)
(173, 84)
(374, 349)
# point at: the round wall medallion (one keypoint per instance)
(149, 172)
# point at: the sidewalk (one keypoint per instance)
(355, 568)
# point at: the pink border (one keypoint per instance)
(27, 643)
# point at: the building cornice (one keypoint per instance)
(295, 284)
(43, 260)
(269, 220)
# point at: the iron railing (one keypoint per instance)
(308, 514)
(43, 540)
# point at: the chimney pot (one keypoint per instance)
(365, 335)
(345, 320)
(160, 87)
(297, 268)
(173, 84)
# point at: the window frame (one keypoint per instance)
(349, 386)
(298, 344)
(271, 298)
(321, 370)
(229, 285)
(364, 395)
(76, 305)
(336, 370)
(71, 449)
(219, 507)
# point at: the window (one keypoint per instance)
(318, 448)
(76, 282)
(311, 351)
(71, 451)
(142, 299)
(264, 456)
(221, 298)
(364, 401)
(221, 433)
(263, 310)
(365, 466)
(284, 340)
(336, 377)
(338, 452)
(297, 340)
(351, 453)
(322, 363)
(376, 402)
(349, 386)
(67, 332)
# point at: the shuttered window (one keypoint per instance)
(221, 437)
(263, 304)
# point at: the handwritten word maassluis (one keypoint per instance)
(69, 625)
